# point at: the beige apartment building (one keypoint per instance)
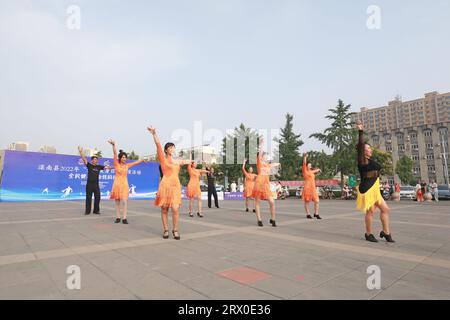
(417, 128)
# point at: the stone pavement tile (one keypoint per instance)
(12, 243)
(403, 290)
(281, 287)
(33, 290)
(428, 282)
(182, 271)
(21, 274)
(219, 288)
(155, 285)
(340, 288)
(244, 275)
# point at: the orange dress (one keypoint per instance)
(309, 190)
(193, 187)
(120, 188)
(261, 189)
(249, 183)
(169, 190)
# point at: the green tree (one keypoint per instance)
(341, 138)
(323, 161)
(133, 156)
(289, 144)
(384, 159)
(98, 154)
(241, 142)
(404, 169)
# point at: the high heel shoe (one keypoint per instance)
(176, 237)
(166, 234)
(246, 210)
(117, 220)
(199, 215)
(388, 237)
(260, 224)
(317, 217)
(125, 221)
(272, 222)
(308, 216)
(191, 214)
(254, 210)
(371, 238)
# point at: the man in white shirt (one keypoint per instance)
(434, 190)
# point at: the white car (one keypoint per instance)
(407, 192)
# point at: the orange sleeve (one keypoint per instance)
(160, 153)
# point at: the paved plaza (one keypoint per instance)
(223, 255)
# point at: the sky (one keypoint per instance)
(171, 63)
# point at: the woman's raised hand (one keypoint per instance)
(359, 125)
(151, 130)
(112, 142)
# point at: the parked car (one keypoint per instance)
(444, 192)
(407, 192)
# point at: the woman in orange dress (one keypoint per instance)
(261, 189)
(309, 190)
(193, 191)
(248, 185)
(169, 190)
(120, 188)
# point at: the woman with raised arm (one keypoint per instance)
(193, 191)
(309, 190)
(369, 196)
(169, 191)
(120, 188)
(261, 190)
(249, 184)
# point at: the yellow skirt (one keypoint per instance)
(365, 202)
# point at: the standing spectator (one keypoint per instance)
(435, 190)
(233, 187)
(397, 187)
(419, 194)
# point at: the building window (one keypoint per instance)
(429, 145)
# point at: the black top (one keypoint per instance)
(93, 172)
(211, 180)
(368, 168)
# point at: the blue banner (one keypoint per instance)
(33, 176)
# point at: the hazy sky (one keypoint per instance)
(169, 63)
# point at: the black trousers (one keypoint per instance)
(92, 188)
(212, 192)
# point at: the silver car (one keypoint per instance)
(407, 192)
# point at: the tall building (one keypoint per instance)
(417, 128)
(19, 146)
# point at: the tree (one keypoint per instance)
(404, 169)
(341, 137)
(98, 154)
(323, 161)
(384, 160)
(133, 156)
(242, 144)
(289, 154)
